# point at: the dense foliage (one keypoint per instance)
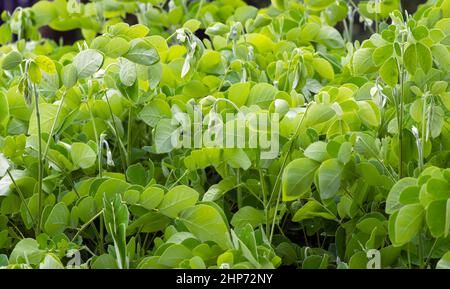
(89, 176)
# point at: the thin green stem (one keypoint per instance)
(40, 162)
(276, 187)
(239, 189)
(55, 121)
(22, 198)
(85, 225)
(129, 140)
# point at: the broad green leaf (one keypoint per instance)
(345, 152)
(317, 151)
(438, 218)
(297, 178)
(211, 63)
(410, 59)
(389, 72)
(151, 198)
(383, 53)
(58, 220)
(424, 57)
(216, 191)
(408, 223)
(248, 215)
(26, 251)
(192, 24)
(323, 68)
(262, 94)
(362, 61)
(127, 72)
(164, 134)
(178, 199)
(45, 64)
(142, 52)
(444, 262)
(117, 47)
(207, 224)
(48, 115)
(153, 112)
(69, 75)
(51, 261)
(312, 209)
(174, 254)
(11, 60)
(83, 156)
(88, 62)
(393, 198)
(329, 176)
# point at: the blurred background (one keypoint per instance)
(70, 36)
(9, 5)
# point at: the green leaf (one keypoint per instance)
(192, 24)
(207, 224)
(117, 47)
(424, 57)
(262, 94)
(48, 115)
(151, 198)
(83, 156)
(174, 254)
(444, 262)
(51, 261)
(441, 56)
(136, 174)
(178, 199)
(410, 59)
(408, 223)
(69, 75)
(153, 112)
(4, 112)
(88, 62)
(393, 198)
(164, 133)
(58, 220)
(317, 151)
(248, 215)
(216, 191)
(312, 209)
(345, 152)
(329, 176)
(323, 68)
(26, 251)
(211, 63)
(381, 54)
(389, 72)
(142, 52)
(11, 60)
(127, 72)
(297, 178)
(362, 61)
(236, 158)
(438, 218)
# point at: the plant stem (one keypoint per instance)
(22, 198)
(97, 139)
(55, 121)
(122, 147)
(85, 225)
(40, 163)
(276, 186)
(239, 190)
(129, 142)
(401, 110)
